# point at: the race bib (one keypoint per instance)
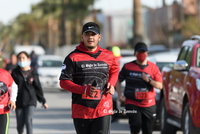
(141, 94)
(95, 96)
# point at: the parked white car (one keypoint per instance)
(49, 70)
(164, 58)
(36, 48)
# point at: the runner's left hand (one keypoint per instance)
(111, 89)
(45, 106)
(145, 77)
(12, 104)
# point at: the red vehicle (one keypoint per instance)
(180, 97)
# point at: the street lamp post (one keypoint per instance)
(198, 6)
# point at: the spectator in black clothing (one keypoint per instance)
(34, 60)
(13, 63)
(29, 91)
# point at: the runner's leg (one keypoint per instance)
(4, 123)
(82, 126)
(148, 119)
(20, 116)
(135, 118)
(101, 125)
(28, 118)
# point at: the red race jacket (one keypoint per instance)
(6, 85)
(137, 91)
(81, 68)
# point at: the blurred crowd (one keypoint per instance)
(11, 63)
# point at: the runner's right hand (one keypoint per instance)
(89, 90)
(122, 98)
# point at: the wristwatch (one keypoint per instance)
(150, 79)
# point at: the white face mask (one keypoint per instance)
(24, 63)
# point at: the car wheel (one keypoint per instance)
(165, 127)
(188, 126)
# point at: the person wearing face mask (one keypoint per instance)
(29, 91)
(141, 77)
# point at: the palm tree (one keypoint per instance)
(43, 24)
(69, 14)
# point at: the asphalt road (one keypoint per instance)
(57, 119)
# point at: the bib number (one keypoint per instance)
(95, 96)
(141, 95)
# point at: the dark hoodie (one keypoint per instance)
(81, 67)
(29, 87)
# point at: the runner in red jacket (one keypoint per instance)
(8, 94)
(88, 63)
(141, 77)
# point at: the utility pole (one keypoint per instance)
(63, 27)
(164, 4)
(62, 36)
(137, 19)
(198, 2)
(170, 27)
(182, 13)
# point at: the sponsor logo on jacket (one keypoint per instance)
(93, 65)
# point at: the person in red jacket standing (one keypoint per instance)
(8, 94)
(90, 73)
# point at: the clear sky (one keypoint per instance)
(9, 9)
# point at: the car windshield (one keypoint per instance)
(51, 63)
(162, 64)
(198, 57)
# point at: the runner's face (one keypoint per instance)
(141, 55)
(22, 57)
(90, 39)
